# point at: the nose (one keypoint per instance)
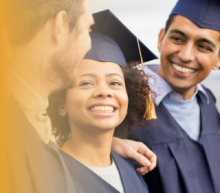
(103, 92)
(187, 52)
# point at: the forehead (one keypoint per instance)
(98, 68)
(189, 28)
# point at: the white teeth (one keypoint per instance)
(102, 109)
(183, 69)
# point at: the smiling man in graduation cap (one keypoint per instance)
(185, 137)
(49, 38)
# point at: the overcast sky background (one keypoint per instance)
(145, 18)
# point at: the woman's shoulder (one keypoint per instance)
(128, 162)
(127, 169)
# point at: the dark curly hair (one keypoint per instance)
(138, 92)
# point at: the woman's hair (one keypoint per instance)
(138, 92)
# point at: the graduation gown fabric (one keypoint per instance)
(184, 165)
(33, 166)
(86, 181)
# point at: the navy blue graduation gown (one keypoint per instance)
(184, 165)
(86, 181)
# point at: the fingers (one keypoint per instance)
(143, 162)
(142, 170)
(139, 158)
(138, 151)
(146, 152)
(153, 161)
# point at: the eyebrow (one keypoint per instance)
(178, 32)
(114, 74)
(107, 75)
(207, 41)
(89, 74)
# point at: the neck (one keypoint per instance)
(185, 93)
(31, 68)
(90, 147)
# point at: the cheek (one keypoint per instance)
(84, 42)
(168, 49)
(69, 54)
(164, 53)
(206, 62)
(122, 98)
(74, 103)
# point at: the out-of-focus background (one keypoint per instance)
(145, 18)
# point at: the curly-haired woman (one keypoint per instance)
(106, 98)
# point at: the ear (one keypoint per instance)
(60, 27)
(217, 65)
(62, 110)
(160, 39)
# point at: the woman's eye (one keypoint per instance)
(115, 83)
(85, 83)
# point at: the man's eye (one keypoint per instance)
(176, 39)
(203, 47)
(115, 83)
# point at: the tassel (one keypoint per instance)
(150, 112)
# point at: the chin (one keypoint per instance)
(181, 88)
(178, 84)
(104, 127)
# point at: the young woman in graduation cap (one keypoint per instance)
(107, 97)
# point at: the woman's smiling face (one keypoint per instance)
(98, 99)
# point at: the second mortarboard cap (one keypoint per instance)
(203, 13)
(112, 41)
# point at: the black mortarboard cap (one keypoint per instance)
(203, 13)
(112, 41)
(105, 49)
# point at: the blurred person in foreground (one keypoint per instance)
(49, 38)
(108, 95)
(185, 137)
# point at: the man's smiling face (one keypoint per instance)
(188, 54)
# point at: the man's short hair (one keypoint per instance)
(169, 22)
(23, 27)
